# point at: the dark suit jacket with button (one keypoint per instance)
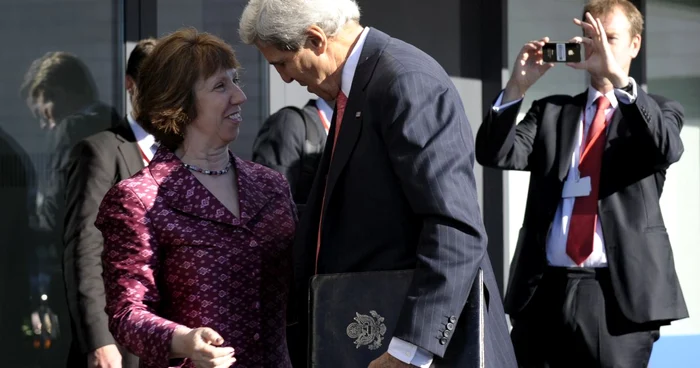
(280, 145)
(643, 140)
(96, 164)
(401, 194)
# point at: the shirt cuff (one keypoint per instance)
(497, 107)
(625, 97)
(409, 353)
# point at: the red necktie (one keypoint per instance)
(340, 103)
(579, 243)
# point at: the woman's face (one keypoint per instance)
(218, 102)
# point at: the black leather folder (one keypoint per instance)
(352, 317)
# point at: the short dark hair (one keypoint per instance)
(137, 56)
(600, 8)
(59, 71)
(165, 102)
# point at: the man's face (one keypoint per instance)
(309, 67)
(624, 46)
(42, 109)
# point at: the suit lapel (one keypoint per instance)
(252, 197)
(567, 128)
(132, 157)
(608, 161)
(128, 147)
(352, 118)
(612, 129)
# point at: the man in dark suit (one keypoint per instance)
(96, 164)
(395, 188)
(593, 276)
(291, 142)
(17, 178)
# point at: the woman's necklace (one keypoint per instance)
(209, 172)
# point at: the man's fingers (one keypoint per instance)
(579, 39)
(524, 58)
(530, 47)
(580, 66)
(592, 23)
(587, 26)
(547, 66)
(535, 44)
(603, 35)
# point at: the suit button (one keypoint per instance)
(450, 326)
(446, 333)
(256, 337)
(453, 319)
(443, 341)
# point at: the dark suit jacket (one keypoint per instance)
(97, 163)
(401, 194)
(280, 145)
(17, 180)
(643, 140)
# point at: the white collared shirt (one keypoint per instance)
(558, 233)
(351, 63)
(326, 112)
(147, 143)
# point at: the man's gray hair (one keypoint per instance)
(283, 23)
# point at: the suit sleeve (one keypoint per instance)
(658, 121)
(279, 144)
(89, 177)
(131, 265)
(431, 149)
(503, 144)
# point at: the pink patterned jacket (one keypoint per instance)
(174, 255)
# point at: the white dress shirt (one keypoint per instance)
(399, 349)
(147, 143)
(326, 112)
(558, 233)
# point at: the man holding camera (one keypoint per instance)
(593, 277)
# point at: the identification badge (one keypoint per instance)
(577, 188)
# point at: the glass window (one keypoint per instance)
(68, 55)
(527, 21)
(221, 19)
(672, 48)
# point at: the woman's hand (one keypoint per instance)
(201, 346)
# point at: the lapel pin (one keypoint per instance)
(358, 114)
